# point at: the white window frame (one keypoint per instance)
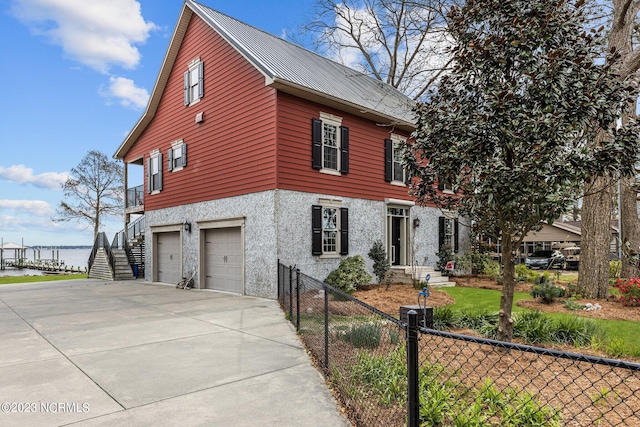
(335, 122)
(194, 81)
(334, 205)
(396, 140)
(177, 161)
(156, 170)
(449, 232)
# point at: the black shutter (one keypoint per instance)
(440, 232)
(159, 172)
(388, 160)
(170, 159)
(316, 230)
(316, 140)
(455, 236)
(186, 88)
(440, 183)
(149, 177)
(200, 80)
(344, 147)
(184, 155)
(344, 231)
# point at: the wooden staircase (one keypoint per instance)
(102, 270)
(403, 274)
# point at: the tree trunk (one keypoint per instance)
(629, 223)
(505, 321)
(593, 273)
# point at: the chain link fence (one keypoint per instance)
(387, 373)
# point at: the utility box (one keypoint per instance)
(425, 315)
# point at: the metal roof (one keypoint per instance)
(289, 64)
(289, 68)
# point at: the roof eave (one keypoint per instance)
(330, 101)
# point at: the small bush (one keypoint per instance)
(349, 274)
(443, 318)
(576, 331)
(492, 269)
(525, 274)
(380, 261)
(547, 291)
(572, 305)
(444, 256)
(363, 336)
(615, 268)
(629, 291)
(533, 327)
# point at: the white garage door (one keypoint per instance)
(168, 255)
(223, 259)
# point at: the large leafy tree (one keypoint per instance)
(94, 190)
(524, 118)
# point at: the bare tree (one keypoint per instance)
(400, 42)
(94, 190)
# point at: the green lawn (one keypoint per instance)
(476, 299)
(8, 280)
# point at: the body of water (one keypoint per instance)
(70, 257)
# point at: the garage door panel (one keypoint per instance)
(223, 259)
(168, 269)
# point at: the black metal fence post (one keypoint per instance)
(298, 299)
(413, 401)
(326, 326)
(290, 293)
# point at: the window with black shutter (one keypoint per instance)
(194, 82)
(329, 144)
(329, 230)
(448, 233)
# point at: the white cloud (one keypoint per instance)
(126, 91)
(97, 33)
(34, 207)
(24, 175)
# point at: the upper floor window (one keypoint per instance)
(445, 185)
(154, 172)
(177, 156)
(330, 144)
(194, 82)
(394, 170)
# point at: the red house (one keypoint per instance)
(255, 149)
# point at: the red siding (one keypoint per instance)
(366, 154)
(233, 151)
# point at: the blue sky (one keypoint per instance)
(76, 76)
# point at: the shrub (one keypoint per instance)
(547, 291)
(380, 261)
(366, 335)
(615, 268)
(525, 274)
(349, 274)
(444, 256)
(443, 318)
(629, 291)
(492, 269)
(576, 331)
(533, 327)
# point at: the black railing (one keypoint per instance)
(135, 196)
(390, 373)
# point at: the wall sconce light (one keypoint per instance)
(416, 222)
(187, 227)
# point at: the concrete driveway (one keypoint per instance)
(93, 353)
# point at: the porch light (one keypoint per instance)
(416, 222)
(187, 227)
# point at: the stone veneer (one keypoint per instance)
(277, 225)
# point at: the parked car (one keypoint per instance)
(545, 260)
